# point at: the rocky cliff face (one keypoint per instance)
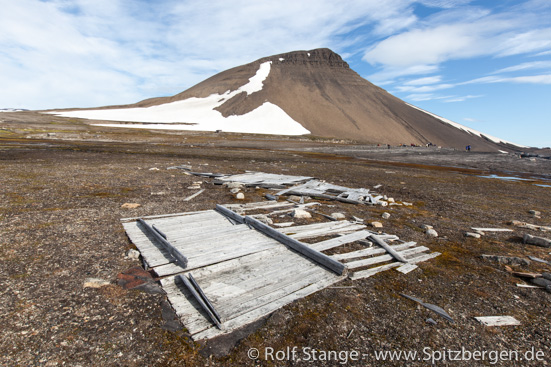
(316, 58)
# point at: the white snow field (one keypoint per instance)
(198, 114)
(467, 129)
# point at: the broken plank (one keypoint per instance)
(406, 268)
(389, 249)
(383, 258)
(371, 251)
(194, 195)
(335, 242)
(492, 229)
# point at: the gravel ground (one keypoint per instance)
(60, 211)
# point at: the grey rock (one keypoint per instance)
(300, 213)
(385, 215)
(472, 234)
(542, 282)
(431, 232)
(240, 196)
(538, 241)
(507, 260)
(338, 216)
(133, 254)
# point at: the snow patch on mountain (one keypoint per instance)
(199, 114)
(467, 129)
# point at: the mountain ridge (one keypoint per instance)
(318, 90)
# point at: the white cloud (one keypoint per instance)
(424, 88)
(425, 81)
(462, 98)
(63, 53)
(525, 66)
(463, 33)
(530, 79)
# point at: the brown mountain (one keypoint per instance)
(318, 89)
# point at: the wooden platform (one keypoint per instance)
(247, 275)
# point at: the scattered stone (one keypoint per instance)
(376, 224)
(299, 213)
(391, 200)
(356, 219)
(507, 260)
(194, 187)
(51, 134)
(294, 198)
(240, 196)
(264, 219)
(431, 232)
(385, 215)
(95, 283)
(235, 190)
(139, 279)
(426, 226)
(535, 213)
(154, 169)
(538, 241)
(270, 197)
(406, 203)
(430, 321)
(472, 234)
(542, 282)
(158, 193)
(233, 185)
(130, 205)
(133, 254)
(382, 203)
(338, 216)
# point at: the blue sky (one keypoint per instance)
(484, 64)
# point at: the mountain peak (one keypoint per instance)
(315, 57)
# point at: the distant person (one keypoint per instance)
(468, 148)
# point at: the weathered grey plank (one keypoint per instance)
(372, 271)
(267, 309)
(379, 259)
(389, 249)
(371, 251)
(335, 242)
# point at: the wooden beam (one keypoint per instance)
(230, 214)
(200, 300)
(173, 251)
(300, 247)
(389, 249)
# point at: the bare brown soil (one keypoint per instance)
(62, 184)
